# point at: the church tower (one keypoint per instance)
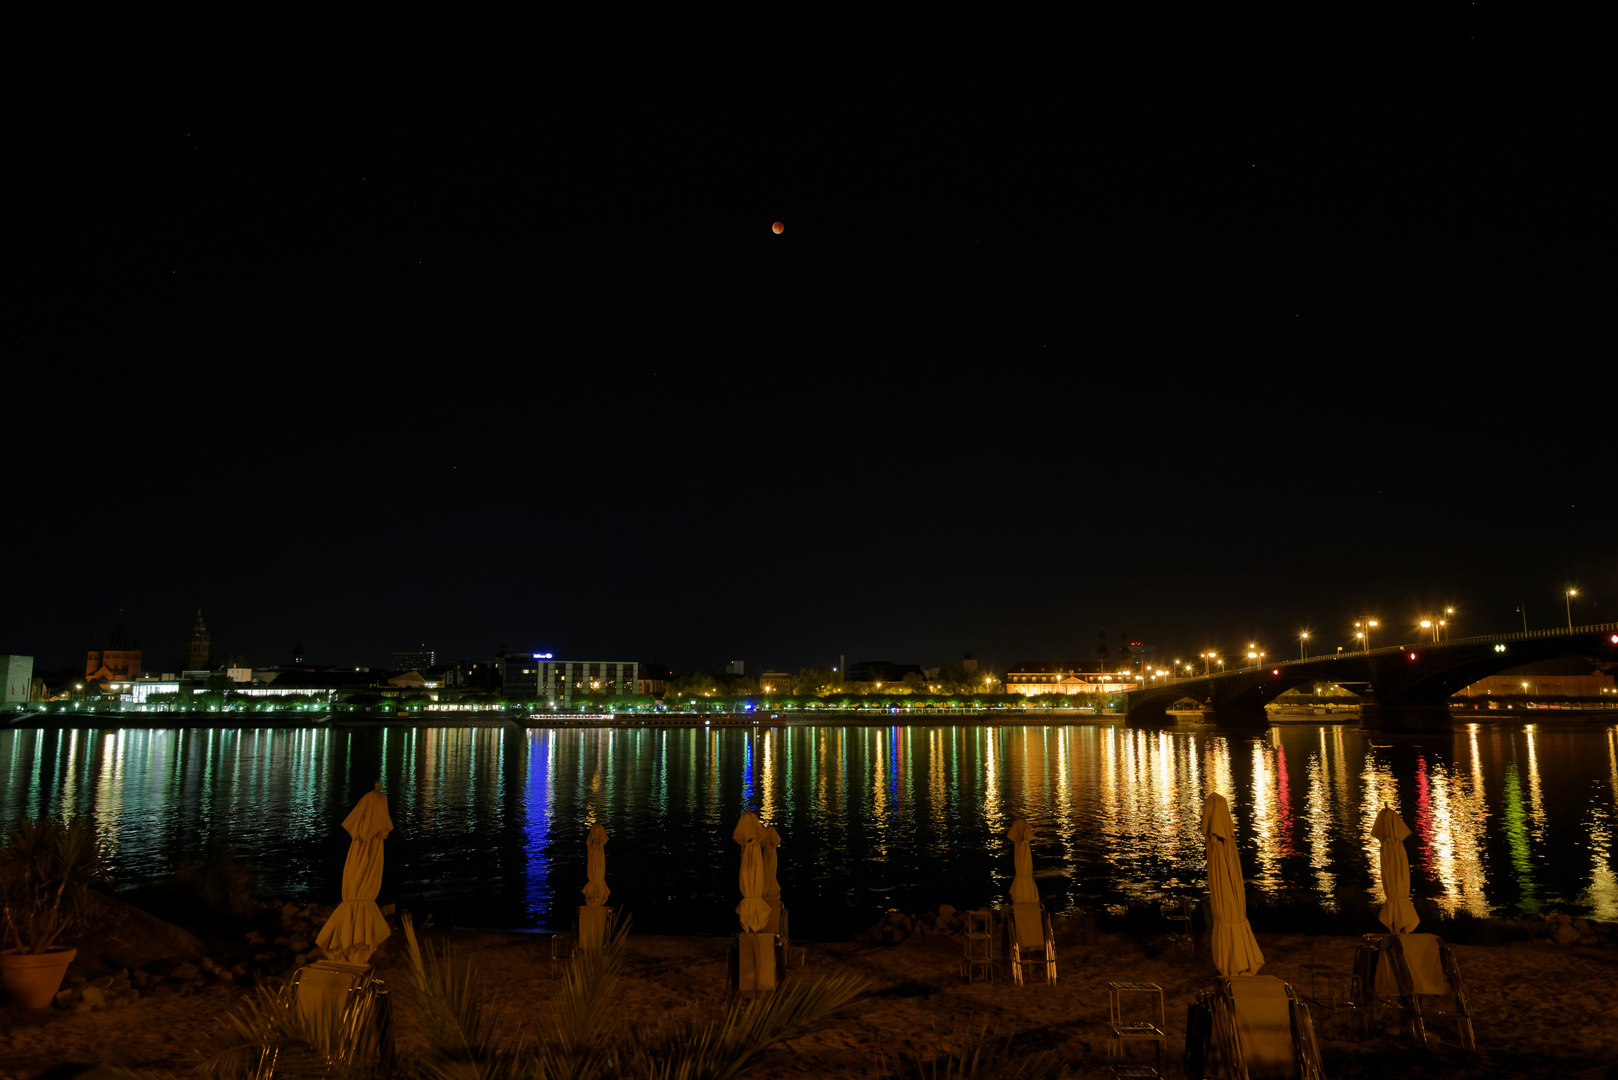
(117, 661)
(196, 647)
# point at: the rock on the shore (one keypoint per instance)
(116, 935)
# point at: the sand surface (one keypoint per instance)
(1541, 1010)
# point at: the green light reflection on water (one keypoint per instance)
(1517, 835)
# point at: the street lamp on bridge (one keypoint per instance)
(1568, 599)
(1362, 630)
(1303, 635)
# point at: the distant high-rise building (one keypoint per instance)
(197, 645)
(413, 661)
(563, 680)
(117, 661)
(297, 653)
(735, 667)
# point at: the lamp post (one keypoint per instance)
(1302, 637)
(1427, 629)
(1568, 599)
(1363, 632)
(1449, 615)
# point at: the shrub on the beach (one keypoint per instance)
(46, 870)
(577, 1040)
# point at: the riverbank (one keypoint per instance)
(542, 721)
(819, 718)
(1540, 1009)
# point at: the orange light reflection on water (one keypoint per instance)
(1115, 809)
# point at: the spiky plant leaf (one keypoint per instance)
(462, 1033)
(728, 1045)
(269, 1031)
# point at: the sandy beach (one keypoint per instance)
(1541, 1009)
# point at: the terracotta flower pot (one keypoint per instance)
(32, 980)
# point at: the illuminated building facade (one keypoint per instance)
(653, 679)
(414, 661)
(118, 661)
(16, 677)
(1568, 677)
(542, 678)
(1049, 677)
(775, 683)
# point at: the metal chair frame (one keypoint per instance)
(1123, 1031)
(1178, 916)
(1016, 953)
(1368, 955)
(364, 1026)
(1225, 1055)
(566, 943)
(978, 961)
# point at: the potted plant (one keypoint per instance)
(46, 869)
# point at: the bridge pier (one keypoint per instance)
(1411, 717)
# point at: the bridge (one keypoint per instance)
(1401, 686)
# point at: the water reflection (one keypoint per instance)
(490, 821)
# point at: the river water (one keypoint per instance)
(490, 822)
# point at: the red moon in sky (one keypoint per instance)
(778, 228)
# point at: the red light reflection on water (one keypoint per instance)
(1424, 818)
(1284, 798)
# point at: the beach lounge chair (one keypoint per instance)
(1029, 942)
(347, 1005)
(1416, 973)
(1250, 1026)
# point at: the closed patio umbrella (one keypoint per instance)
(593, 915)
(771, 842)
(754, 912)
(1235, 950)
(1022, 854)
(357, 927)
(595, 886)
(1398, 914)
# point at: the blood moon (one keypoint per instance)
(778, 228)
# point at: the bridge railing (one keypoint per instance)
(1389, 650)
(1476, 639)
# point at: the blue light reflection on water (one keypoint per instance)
(537, 831)
(490, 822)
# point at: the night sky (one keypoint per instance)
(1201, 335)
